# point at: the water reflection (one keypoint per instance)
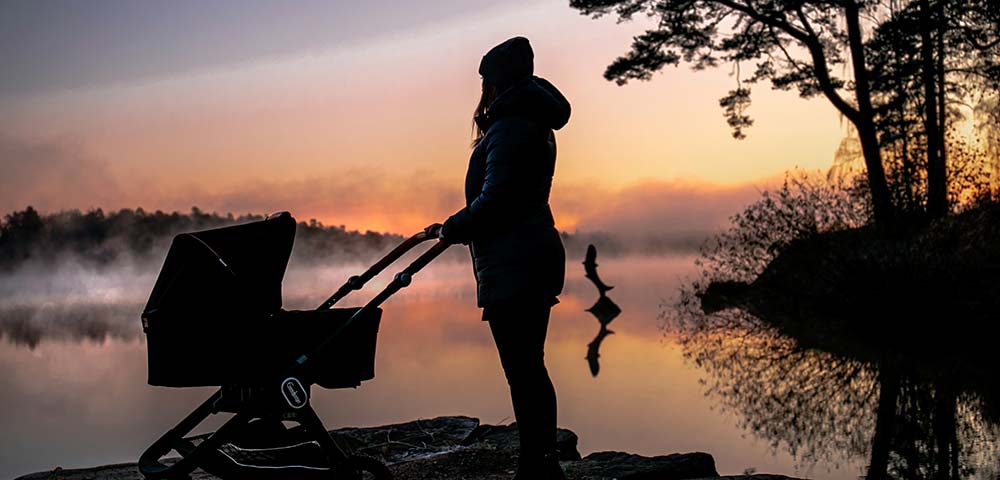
(594, 350)
(79, 399)
(824, 398)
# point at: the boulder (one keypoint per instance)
(628, 466)
(505, 437)
(408, 441)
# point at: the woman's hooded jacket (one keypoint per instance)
(516, 250)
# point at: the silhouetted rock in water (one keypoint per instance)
(452, 448)
(590, 270)
(605, 310)
(913, 289)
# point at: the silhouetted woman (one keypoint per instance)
(516, 250)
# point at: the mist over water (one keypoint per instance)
(72, 303)
(70, 297)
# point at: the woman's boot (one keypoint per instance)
(539, 467)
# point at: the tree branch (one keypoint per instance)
(805, 22)
(811, 41)
(792, 61)
(765, 19)
(969, 35)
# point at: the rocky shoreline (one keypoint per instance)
(458, 447)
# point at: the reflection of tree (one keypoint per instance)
(823, 405)
(814, 404)
(932, 430)
(30, 324)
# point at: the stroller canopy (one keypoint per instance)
(215, 317)
(236, 269)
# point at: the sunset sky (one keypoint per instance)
(358, 113)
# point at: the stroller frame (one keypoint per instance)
(287, 400)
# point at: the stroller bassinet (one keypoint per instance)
(214, 318)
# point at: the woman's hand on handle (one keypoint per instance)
(434, 231)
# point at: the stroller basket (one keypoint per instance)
(178, 358)
(215, 318)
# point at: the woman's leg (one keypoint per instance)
(519, 334)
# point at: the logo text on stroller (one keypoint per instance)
(295, 394)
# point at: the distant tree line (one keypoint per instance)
(96, 238)
(99, 238)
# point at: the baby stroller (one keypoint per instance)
(214, 318)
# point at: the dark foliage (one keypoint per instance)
(706, 33)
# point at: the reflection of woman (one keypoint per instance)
(518, 255)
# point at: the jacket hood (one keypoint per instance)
(533, 98)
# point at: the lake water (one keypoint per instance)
(73, 369)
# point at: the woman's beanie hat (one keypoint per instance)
(508, 62)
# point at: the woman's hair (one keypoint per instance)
(489, 94)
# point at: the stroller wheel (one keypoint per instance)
(361, 467)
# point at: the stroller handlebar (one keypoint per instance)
(400, 281)
(357, 282)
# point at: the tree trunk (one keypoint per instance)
(942, 111)
(937, 193)
(865, 123)
(909, 174)
(945, 435)
(881, 201)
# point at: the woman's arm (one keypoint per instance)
(496, 203)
